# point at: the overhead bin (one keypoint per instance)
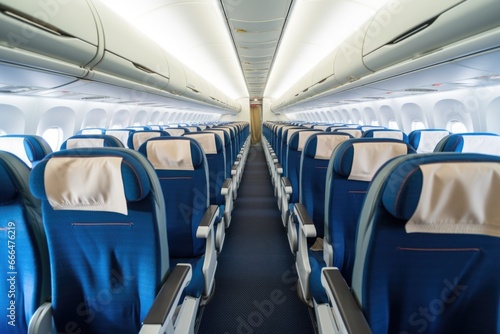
(57, 36)
(417, 28)
(130, 54)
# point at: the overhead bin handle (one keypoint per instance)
(34, 22)
(413, 31)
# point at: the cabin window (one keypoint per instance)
(417, 125)
(392, 124)
(53, 136)
(456, 127)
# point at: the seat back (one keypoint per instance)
(355, 133)
(313, 166)
(428, 245)
(25, 265)
(29, 148)
(137, 138)
(472, 142)
(352, 166)
(226, 144)
(425, 140)
(104, 218)
(91, 131)
(182, 168)
(79, 141)
(122, 134)
(216, 160)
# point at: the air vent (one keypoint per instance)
(420, 90)
(95, 98)
(194, 90)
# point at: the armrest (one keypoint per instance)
(304, 220)
(234, 170)
(226, 186)
(287, 185)
(165, 303)
(279, 168)
(207, 221)
(343, 302)
(41, 321)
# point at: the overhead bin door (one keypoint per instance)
(64, 31)
(129, 54)
(416, 28)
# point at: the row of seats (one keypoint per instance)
(328, 209)
(129, 235)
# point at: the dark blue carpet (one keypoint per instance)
(255, 279)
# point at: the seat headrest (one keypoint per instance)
(355, 133)
(28, 148)
(443, 193)
(299, 138)
(384, 133)
(209, 141)
(487, 143)
(137, 138)
(222, 135)
(91, 179)
(173, 153)
(98, 140)
(360, 159)
(425, 141)
(321, 145)
(9, 191)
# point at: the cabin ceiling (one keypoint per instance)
(248, 48)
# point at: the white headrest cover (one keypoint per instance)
(121, 135)
(91, 132)
(87, 184)
(220, 133)
(170, 154)
(15, 145)
(388, 134)
(321, 127)
(290, 133)
(369, 158)
(303, 137)
(175, 132)
(140, 138)
(206, 141)
(84, 142)
(429, 140)
(356, 133)
(482, 144)
(458, 198)
(326, 145)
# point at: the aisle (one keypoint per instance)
(255, 280)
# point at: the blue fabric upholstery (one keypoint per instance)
(25, 264)
(345, 194)
(226, 143)
(186, 196)
(427, 282)
(32, 150)
(107, 141)
(106, 267)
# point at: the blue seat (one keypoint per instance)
(91, 131)
(425, 140)
(79, 141)
(386, 133)
(291, 174)
(29, 148)
(25, 265)
(313, 165)
(137, 138)
(182, 168)
(427, 248)
(107, 243)
(220, 185)
(355, 133)
(122, 134)
(350, 170)
(471, 142)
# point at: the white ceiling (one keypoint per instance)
(248, 48)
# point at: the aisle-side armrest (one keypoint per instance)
(305, 222)
(159, 317)
(345, 306)
(287, 185)
(226, 186)
(208, 221)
